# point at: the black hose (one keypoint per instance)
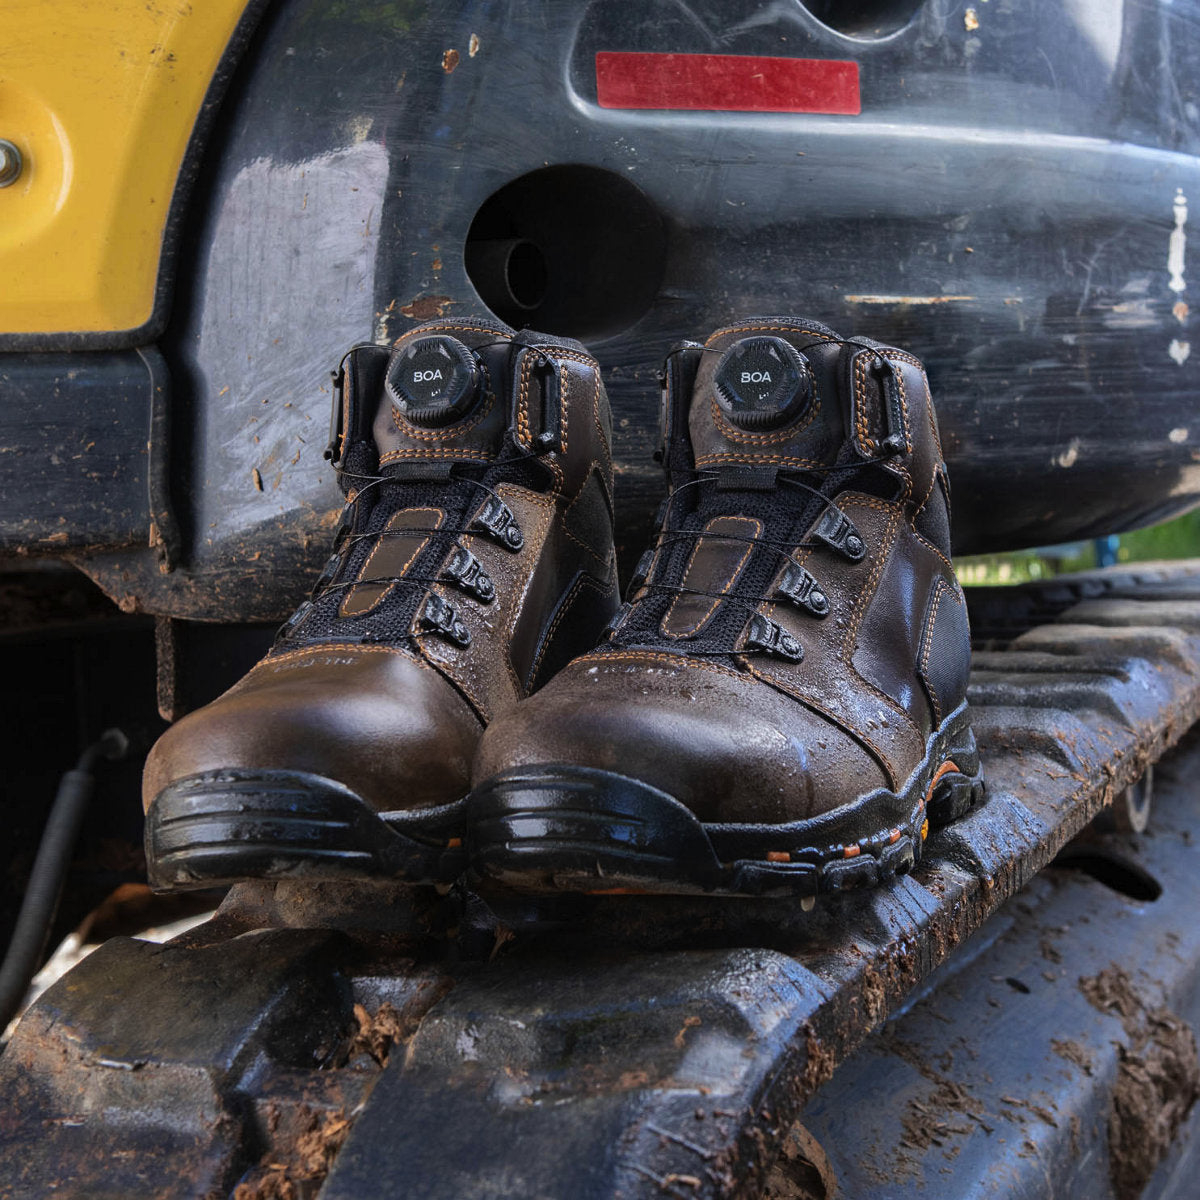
(40, 903)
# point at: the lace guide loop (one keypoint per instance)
(772, 638)
(838, 532)
(465, 571)
(496, 519)
(439, 616)
(801, 588)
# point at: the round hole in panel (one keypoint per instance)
(866, 19)
(573, 250)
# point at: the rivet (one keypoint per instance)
(10, 163)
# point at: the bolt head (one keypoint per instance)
(10, 163)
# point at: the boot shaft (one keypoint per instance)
(861, 402)
(478, 532)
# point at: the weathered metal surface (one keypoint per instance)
(608, 1046)
(1076, 1002)
(74, 460)
(1010, 204)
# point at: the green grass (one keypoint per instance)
(1178, 538)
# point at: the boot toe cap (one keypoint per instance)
(382, 724)
(732, 751)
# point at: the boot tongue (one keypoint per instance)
(766, 398)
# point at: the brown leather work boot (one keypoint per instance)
(780, 707)
(474, 559)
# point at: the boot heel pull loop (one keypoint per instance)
(333, 451)
(546, 372)
(895, 440)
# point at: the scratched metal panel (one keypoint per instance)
(74, 450)
(1011, 204)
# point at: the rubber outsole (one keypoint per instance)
(560, 828)
(222, 827)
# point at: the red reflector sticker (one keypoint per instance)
(727, 83)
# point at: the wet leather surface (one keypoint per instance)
(751, 736)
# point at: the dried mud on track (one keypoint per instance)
(1158, 1080)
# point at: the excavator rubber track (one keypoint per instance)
(359, 1042)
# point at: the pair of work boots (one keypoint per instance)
(778, 708)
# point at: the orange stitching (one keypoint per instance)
(706, 459)
(362, 582)
(523, 434)
(937, 600)
(546, 506)
(892, 352)
(930, 546)
(421, 452)
(556, 355)
(595, 464)
(407, 429)
(840, 722)
(861, 426)
(564, 378)
(709, 528)
(767, 329)
(581, 582)
(750, 439)
(928, 638)
(326, 647)
(908, 439)
(862, 500)
(801, 554)
(860, 609)
(348, 401)
(450, 669)
(423, 330)
(860, 421)
(604, 441)
(585, 547)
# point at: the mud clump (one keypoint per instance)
(947, 1112)
(1158, 1080)
(802, 1171)
(820, 1061)
(1073, 1052)
(301, 1178)
(377, 1033)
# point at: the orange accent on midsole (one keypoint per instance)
(453, 843)
(894, 836)
(945, 769)
(851, 851)
(924, 829)
(778, 856)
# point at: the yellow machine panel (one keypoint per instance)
(99, 97)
